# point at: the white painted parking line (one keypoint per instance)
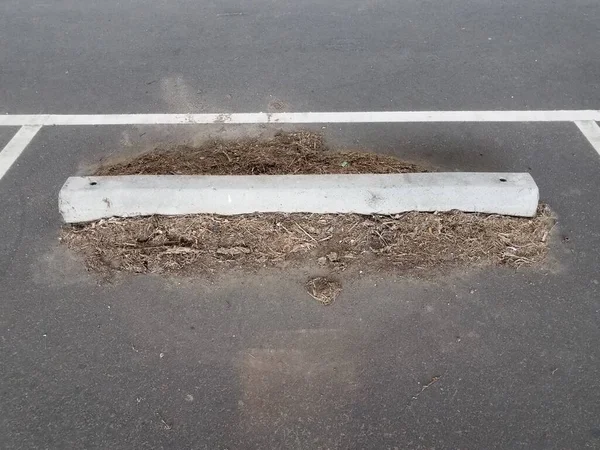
(591, 131)
(585, 120)
(303, 117)
(15, 147)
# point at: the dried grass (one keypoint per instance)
(409, 243)
(299, 152)
(324, 289)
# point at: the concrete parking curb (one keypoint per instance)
(84, 199)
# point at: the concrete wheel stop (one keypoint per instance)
(89, 198)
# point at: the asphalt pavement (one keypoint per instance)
(230, 56)
(474, 359)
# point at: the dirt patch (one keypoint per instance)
(323, 289)
(412, 243)
(300, 152)
(409, 243)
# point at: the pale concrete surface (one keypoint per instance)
(83, 199)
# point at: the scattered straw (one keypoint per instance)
(323, 289)
(300, 152)
(411, 242)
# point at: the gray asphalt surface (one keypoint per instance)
(250, 361)
(228, 56)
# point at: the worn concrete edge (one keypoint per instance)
(84, 199)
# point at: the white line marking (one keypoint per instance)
(15, 147)
(591, 131)
(303, 117)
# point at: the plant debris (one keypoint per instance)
(408, 243)
(323, 289)
(299, 152)
(411, 243)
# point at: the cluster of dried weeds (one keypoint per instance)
(408, 243)
(206, 243)
(299, 152)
